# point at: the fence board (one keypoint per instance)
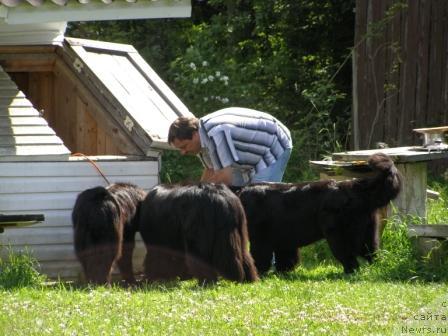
(413, 65)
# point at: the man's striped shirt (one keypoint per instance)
(244, 138)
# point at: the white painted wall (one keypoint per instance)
(50, 188)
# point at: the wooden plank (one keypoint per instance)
(55, 235)
(410, 68)
(36, 49)
(22, 121)
(101, 114)
(18, 111)
(361, 60)
(80, 168)
(41, 93)
(3, 74)
(398, 154)
(28, 57)
(87, 130)
(435, 62)
(100, 46)
(158, 84)
(55, 201)
(42, 149)
(7, 140)
(428, 230)
(26, 130)
(28, 66)
(424, 24)
(93, 71)
(144, 92)
(15, 102)
(402, 115)
(64, 252)
(396, 67)
(41, 184)
(11, 93)
(376, 75)
(358, 69)
(65, 110)
(412, 198)
(7, 83)
(101, 142)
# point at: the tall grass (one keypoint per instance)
(19, 270)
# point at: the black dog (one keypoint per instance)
(105, 223)
(283, 217)
(195, 231)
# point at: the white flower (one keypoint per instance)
(193, 66)
(224, 78)
(205, 63)
(205, 80)
(226, 83)
(225, 100)
(205, 99)
(195, 80)
(218, 73)
(211, 78)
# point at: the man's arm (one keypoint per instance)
(217, 176)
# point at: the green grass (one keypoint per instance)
(317, 301)
(18, 270)
(398, 292)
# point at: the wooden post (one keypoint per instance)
(412, 198)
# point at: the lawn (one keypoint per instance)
(314, 301)
(399, 294)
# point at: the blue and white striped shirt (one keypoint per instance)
(242, 138)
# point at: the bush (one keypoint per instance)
(19, 270)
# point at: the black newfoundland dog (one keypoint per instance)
(283, 217)
(195, 231)
(104, 224)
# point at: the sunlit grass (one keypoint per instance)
(384, 298)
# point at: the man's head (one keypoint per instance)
(184, 135)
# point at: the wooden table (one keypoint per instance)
(410, 161)
(11, 221)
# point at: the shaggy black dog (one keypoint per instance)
(195, 231)
(104, 224)
(283, 217)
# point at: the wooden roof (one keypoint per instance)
(40, 11)
(134, 95)
(133, 99)
(23, 132)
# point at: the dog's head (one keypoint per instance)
(98, 233)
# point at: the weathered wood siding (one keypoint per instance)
(400, 77)
(51, 188)
(24, 133)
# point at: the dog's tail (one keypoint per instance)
(384, 186)
(96, 220)
(231, 248)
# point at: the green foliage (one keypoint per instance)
(437, 210)
(19, 270)
(285, 57)
(177, 168)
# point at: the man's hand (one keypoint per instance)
(217, 176)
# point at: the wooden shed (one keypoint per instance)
(99, 99)
(400, 70)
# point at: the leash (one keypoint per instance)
(94, 165)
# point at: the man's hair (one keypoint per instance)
(183, 128)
